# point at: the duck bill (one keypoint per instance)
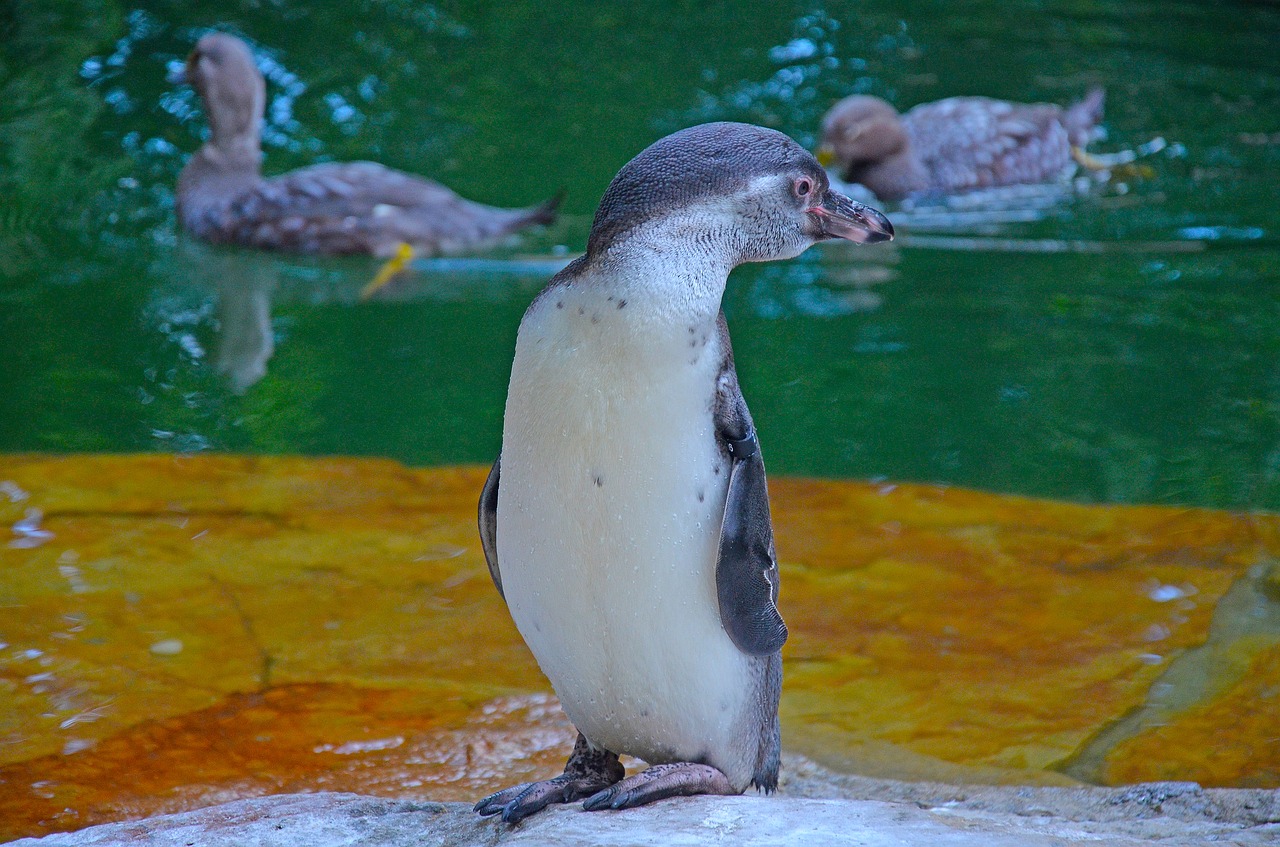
(840, 217)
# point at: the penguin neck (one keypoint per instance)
(672, 271)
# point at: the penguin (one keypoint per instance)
(626, 521)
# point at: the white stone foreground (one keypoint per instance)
(1164, 814)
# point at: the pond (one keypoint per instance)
(1116, 345)
(1146, 372)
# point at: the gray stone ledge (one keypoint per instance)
(962, 816)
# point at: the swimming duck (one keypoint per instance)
(332, 208)
(955, 145)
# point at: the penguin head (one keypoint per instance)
(747, 191)
(222, 71)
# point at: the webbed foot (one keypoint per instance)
(390, 269)
(677, 779)
(1089, 161)
(589, 770)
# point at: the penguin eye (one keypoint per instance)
(802, 186)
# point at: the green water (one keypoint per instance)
(1142, 372)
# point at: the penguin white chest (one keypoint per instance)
(609, 512)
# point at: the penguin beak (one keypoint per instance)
(840, 217)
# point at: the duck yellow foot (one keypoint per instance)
(677, 779)
(390, 269)
(1089, 161)
(1111, 161)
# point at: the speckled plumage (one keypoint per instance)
(334, 208)
(955, 145)
(627, 520)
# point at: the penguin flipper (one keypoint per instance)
(488, 520)
(747, 567)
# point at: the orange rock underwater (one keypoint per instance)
(178, 631)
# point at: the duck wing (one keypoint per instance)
(977, 142)
(365, 207)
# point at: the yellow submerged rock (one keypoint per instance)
(178, 631)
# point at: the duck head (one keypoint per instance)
(222, 71)
(860, 132)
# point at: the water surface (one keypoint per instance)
(1121, 348)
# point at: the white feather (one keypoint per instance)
(609, 508)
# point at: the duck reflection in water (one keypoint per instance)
(246, 288)
(246, 341)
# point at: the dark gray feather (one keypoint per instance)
(488, 520)
(747, 568)
(768, 682)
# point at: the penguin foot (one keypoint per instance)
(589, 770)
(677, 779)
(520, 801)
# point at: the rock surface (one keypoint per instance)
(182, 632)
(1001, 817)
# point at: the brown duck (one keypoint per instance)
(955, 145)
(351, 207)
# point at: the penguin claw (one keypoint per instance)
(589, 769)
(675, 779)
(494, 803)
(519, 801)
(600, 800)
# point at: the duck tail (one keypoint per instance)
(1082, 118)
(543, 213)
